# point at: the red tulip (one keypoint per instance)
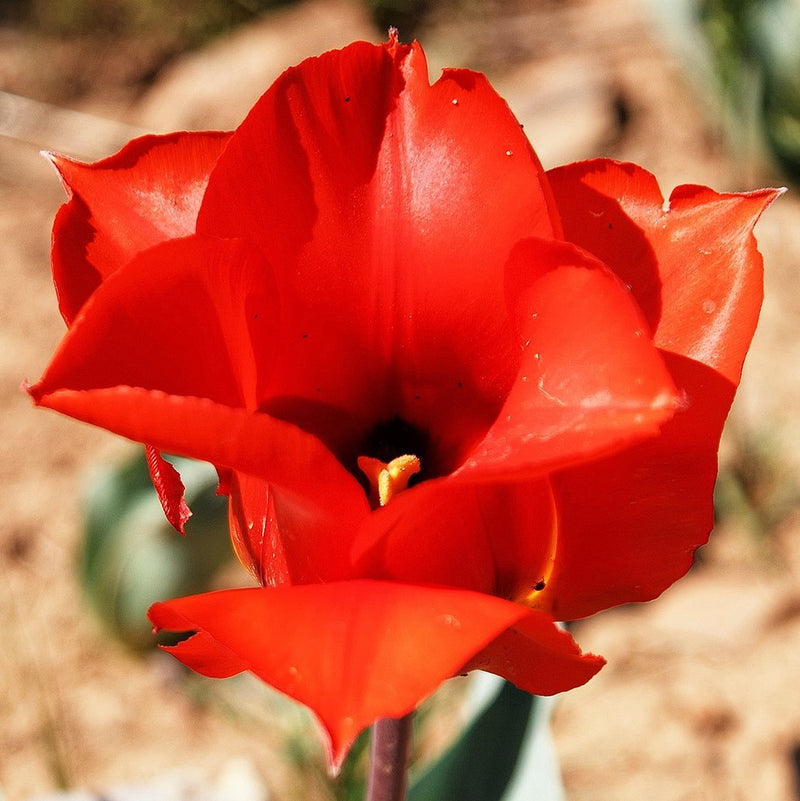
(371, 267)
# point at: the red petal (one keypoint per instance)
(711, 303)
(629, 524)
(537, 657)
(390, 210)
(433, 533)
(282, 537)
(255, 533)
(694, 267)
(590, 380)
(317, 488)
(147, 193)
(495, 538)
(193, 316)
(362, 650)
(170, 489)
(202, 651)
(175, 362)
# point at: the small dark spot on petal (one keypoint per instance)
(255, 316)
(347, 99)
(539, 586)
(610, 226)
(417, 397)
(460, 384)
(305, 336)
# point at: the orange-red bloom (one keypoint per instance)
(371, 266)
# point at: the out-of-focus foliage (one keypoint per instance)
(405, 15)
(192, 20)
(754, 489)
(479, 765)
(755, 45)
(132, 557)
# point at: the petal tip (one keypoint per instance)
(33, 391)
(59, 163)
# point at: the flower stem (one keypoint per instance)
(391, 743)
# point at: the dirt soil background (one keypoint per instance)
(701, 696)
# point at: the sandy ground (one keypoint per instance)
(699, 699)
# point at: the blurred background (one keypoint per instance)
(699, 699)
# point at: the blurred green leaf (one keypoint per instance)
(133, 557)
(352, 781)
(755, 46)
(480, 763)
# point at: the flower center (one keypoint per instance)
(380, 470)
(386, 479)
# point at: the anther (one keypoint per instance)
(387, 479)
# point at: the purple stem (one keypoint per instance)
(391, 743)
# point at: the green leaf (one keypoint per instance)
(481, 762)
(133, 557)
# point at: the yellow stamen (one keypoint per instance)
(387, 479)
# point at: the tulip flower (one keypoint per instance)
(452, 398)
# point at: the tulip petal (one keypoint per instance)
(536, 656)
(318, 490)
(192, 316)
(174, 363)
(283, 537)
(169, 488)
(590, 379)
(175, 301)
(630, 523)
(351, 650)
(709, 313)
(255, 530)
(147, 193)
(499, 538)
(692, 263)
(360, 179)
